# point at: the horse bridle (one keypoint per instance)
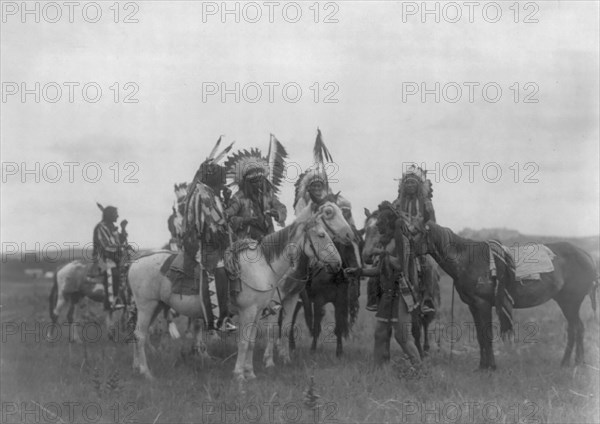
(319, 262)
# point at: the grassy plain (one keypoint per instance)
(56, 381)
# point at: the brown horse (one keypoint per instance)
(324, 287)
(468, 263)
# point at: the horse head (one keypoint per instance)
(372, 237)
(319, 247)
(332, 218)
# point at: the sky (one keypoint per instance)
(522, 153)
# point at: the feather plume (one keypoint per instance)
(100, 206)
(276, 162)
(214, 150)
(223, 153)
(320, 152)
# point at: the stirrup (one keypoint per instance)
(427, 309)
(116, 305)
(272, 308)
(227, 326)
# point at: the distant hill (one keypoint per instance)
(18, 267)
(509, 237)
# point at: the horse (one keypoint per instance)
(152, 291)
(267, 277)
(420, 322)
(71, 285)
(322, 287)
(326, 287)
(468, 263)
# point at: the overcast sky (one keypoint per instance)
(541, 134)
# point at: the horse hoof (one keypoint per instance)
(269, 364)
(250, 376)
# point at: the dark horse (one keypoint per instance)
(325, 287)
(420, 322)
(468, 263)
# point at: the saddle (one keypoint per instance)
(531, 260)
(182, 282)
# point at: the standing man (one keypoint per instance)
(206, 235)
(396, 301)
(109, 246)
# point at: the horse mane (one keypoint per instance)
(274, 244)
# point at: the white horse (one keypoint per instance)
(152, 291)
(71, 285)
(264, 268)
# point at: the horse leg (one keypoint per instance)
(425, 326)
(73, 333)
(341, 316)
(57, 309)
(268, 356)
(247, 317)
(286, 327)
(319, 312)
(172, 327)
(146, 311)
(574, 332)
(482, 315)
(416, 332)
(249, 365)
(293, 333)
(200, 347)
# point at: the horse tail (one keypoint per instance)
(593, 293)
(353, 294)
(54, 297)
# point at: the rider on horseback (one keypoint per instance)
(109, 247)
(253, 207)
(414, 203)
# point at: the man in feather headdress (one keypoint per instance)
(414, 203)
(206, 235)
(312, 186)
(109, 246)
(255, 205)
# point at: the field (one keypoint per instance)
(52, 380)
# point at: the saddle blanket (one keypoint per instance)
(183, 283)
(531, 260)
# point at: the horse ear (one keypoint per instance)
(367, 213)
